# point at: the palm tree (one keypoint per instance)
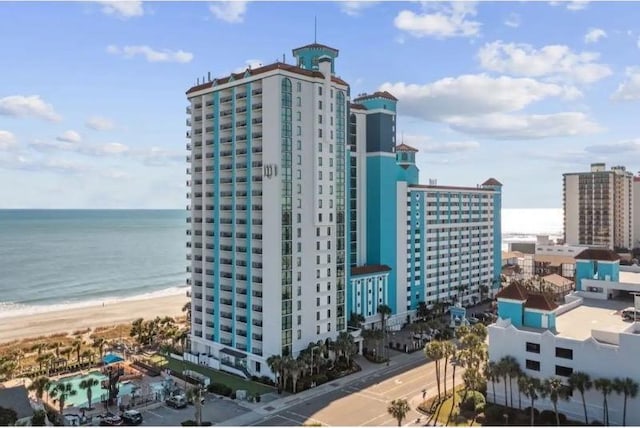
(87, 355)
(40, 386)
(77, 346)
(187, 310)
(454, 358)
(194, 395)
(491, 374)
(87, 384)
(275, 364)
(530, 387)
(448, 349)
(605, 386)
(294, 367)
(629, 388)
(61, 392)
(503, 372)
(56, 346)
(522, 384)
(286, 369)
(514, 373)
(555, 390)
(384, 311)
(435, 351)
(99, 343)
(399, 409)
(579, 381)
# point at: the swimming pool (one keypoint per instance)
(97, 393)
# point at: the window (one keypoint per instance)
(319, 133)
(320, 119)
(319, 203)
(563, 371)
(299, 233)
(317, 232)
(299, 203)
(298, 101)
(317, 329)
(319, 105)
(328, 313)
(299, 247)
(317, 273)
(328, 300)
(320, 189)
(331, 92)
(298, 174)
(299, 86)
(533, 365)
(299, 130)
(299, 334)
(317, 316)
(319, 175)
(299, 261)
(318, 245)
(317, 301)
(299, 218)
(328, 326)
(299, 188)
(533, 347)
(319, 161)
(320, 218)
(320, 147)
(317, 288)
(299, 305)
(299, 115)
(331, 145)
(299, 145)
(299, 160)
(564, 353)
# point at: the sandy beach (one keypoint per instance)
(24, 326)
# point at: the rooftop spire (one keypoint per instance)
(315, 29)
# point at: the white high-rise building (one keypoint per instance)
(598, 207)
(268, 210)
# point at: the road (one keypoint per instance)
(364, 402)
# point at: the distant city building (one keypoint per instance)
(588, 333)
(304, 210)
(598, 207)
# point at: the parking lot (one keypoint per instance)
(215, 410)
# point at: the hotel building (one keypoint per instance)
(302, 211)
(598, 207)
(585, 334)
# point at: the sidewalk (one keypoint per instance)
(260, 410)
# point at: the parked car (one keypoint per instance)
(631, 314)
(132, 417)
(111, 421)
(473, 320)
(177, 401)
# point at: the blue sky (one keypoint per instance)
(92, 95)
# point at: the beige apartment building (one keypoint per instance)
(599, 207)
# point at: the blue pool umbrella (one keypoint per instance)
(111, 358)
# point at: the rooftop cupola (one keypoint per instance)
(405, 155)
(308, 57)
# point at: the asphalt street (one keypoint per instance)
(364, 402)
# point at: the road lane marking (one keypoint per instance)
(307, 418)
(372, 419)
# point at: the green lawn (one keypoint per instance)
(231, 381)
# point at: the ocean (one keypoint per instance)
(56, 259)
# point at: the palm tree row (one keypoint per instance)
(470, 353)
(159, 331)
(508, 369)
(311, 360)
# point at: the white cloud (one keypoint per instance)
(250, 63)
(229, 11)
(629, 90)
(124, 9)
(470, 95)
(111, 149)
(626, 146)
(99, 123)
(446, 21)
(7, 140)
(513, 20)
(424, 144)
(28, 106)
(520, 127)
(552, 60)
(70, 136)
(353, 8)
(484, 106)
(594, 34)
(573, 5)
(150, 54)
